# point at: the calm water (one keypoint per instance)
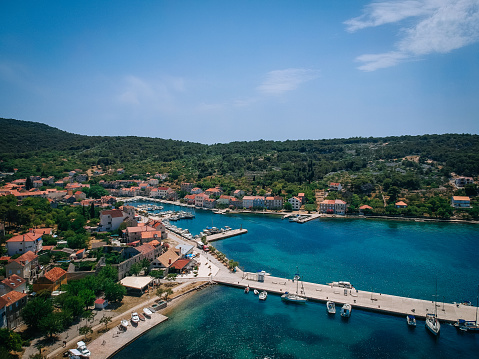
(402, 258)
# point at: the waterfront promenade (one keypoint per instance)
(371, 301)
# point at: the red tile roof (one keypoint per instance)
(180, 264)
(27, 237)
(13, 281)
(26, 257)
(12, 297)
(114, 213)
(55, 274)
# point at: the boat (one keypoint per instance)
(346, 310)
(246, 290)
(294, 297)
(255, 292)
(263, 295)
(331, 307)
(432, 323)
(141, 316)
(411, 320)
(147, 312)
(81, 347)
(134, 317)
(469, 325)
(124, 323)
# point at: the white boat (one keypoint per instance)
(331, 307)
(255, 292)
(124, 323)
(135, 318)
(263, 295)
(469, 325)
(292, 297)
(81, 347)
(346, 310)
(411, 320)
(246, 290)
(432, 324)
(147, 312)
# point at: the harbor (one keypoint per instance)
(226, 234)
(359, 299)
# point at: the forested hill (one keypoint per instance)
(38, 148)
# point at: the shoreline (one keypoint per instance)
(282, 213)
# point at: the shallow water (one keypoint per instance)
(394, 257)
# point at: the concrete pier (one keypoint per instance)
(227, 234)
(377, 302)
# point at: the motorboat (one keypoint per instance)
(255, 292)
(147, 312)
(294, 297)
(411, 320)
(346, 310)
(246, 290)
(432, 324)
(263, 295)
(134, 317)
(467, 325)
(81, 347)
(142, 317)
(331, 307)
(124, 323)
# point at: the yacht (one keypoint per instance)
(263, 295)
(294, 297)
(432, 324)
(346, 310)
(411, 320)
(331, 307)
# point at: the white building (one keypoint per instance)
(295, 202)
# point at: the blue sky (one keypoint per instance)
(222, 71)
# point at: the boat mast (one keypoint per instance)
(477, 302)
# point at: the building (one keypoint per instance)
(400, 204)
(14, 282)
(275, 202)
(209, 203)
(333, 206)
(334, 186)
(214, 192)
(165, 260)
(253, 202)
(462, 181)
(111, 219)
(461, 202)
(11, 305)
(187, 187)
(25, 266)
(200, 198)
(133, 234)
(295, 202)
(51, 280)
(238, 193)
(24, 242)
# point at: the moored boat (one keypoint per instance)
(346, 310)
(246, 290)
(467, 325)
(432, 324)
(124, 323)
(134, 317)
(147, 312)
(292, 297)
(411, 320)
(263, 295)
(255, 292)
(331, 307)
(141, 316)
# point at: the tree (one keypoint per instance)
(160, 291)
(87, 296)
(74, 304)
(114, 292)
(35, 310)
(310, 207)
(52, 324)
(106, 320)
(10, 340)
(288, 206)
(135, 269)
(168, 292)
(85, 330)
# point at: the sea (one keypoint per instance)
(404, 258)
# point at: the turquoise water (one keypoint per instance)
(402, 258)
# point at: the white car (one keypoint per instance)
(81, 347)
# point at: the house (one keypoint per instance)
(196, 190)
(236, 202)
(209, 203)
(51, 280)
(365, 207)
(25, 266)
(184, 249)
(79, 195)
(101, 303)
(302, 197)
(165, 260)
(14, 282)
(24, 242)
(295, 202)
(181, 266)
(190, 198)
(400, 204)
(334, 186)
(253, 202)
(111, 219)
(224, 199)
(333, 206)
(275, 202)
(187, 187)
(461, 202)
(11, 305)
(462, 181)
(200, 198)
(238, 193)
(214, 192)
(133, 234)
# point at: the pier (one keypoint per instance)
(226, 234)
(359, 299)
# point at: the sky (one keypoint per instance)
(222, 71)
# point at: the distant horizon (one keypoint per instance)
(260, 139)
(220, 72)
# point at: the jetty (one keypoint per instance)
(226, 234)
(366, 300)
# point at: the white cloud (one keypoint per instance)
(435, 26)
(281, 81)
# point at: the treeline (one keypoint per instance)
(33, 146)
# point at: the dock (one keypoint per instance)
(226, 234)
(365, 300)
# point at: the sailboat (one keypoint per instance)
(432, 323)
(469, 325)
(292, 297)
